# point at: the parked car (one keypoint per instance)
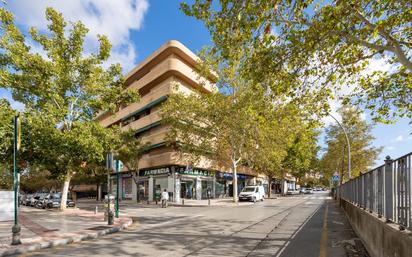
(292, 192)
(54, 200)
(302, 190)
(40, 203)
(34, 199)
(309, 191)
(252, 193)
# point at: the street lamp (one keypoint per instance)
(347, 142)
(16, 147)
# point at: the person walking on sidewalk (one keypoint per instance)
(165, 198)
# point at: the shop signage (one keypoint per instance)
(194, 172)
(230, 175)
(152, 172)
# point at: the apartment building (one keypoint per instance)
(170, 68)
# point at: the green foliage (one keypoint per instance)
(6, 131)
(131, 150)
(38, 180)
(62, 89)
(302, 153)
(363, 154)
(316, 47)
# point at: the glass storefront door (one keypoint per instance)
(143, 190)
(207, 188)
(187, 189)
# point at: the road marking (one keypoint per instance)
(324, 235)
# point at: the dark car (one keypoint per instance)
(34, 199)
(54, 200)
(40, 203)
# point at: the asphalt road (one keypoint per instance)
(308, 225)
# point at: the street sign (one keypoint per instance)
(335, 178)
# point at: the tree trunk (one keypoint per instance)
(235, 198)
(270, 186)
(65, 191)
(136, 181)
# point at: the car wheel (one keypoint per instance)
(262, 199)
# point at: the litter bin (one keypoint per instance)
(109, 213)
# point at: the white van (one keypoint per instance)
(252, 193)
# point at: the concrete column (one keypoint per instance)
(99, 192)
(170, 184)
(134, 191)
(198, 189)
(214, 188)
(177, 190)
(151, 186)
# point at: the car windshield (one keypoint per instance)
(248, 189)
(56, 196)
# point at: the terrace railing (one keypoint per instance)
(385, 190)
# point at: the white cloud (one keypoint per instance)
(115, 19)
(390, 148)
(399, 138)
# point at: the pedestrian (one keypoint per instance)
(165, 198)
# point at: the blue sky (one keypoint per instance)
(138, 27)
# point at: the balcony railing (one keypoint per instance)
(385, 190)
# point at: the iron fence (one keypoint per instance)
(385, 190)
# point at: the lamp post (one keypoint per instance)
(109, 167)
(347, 142)
(117, 187)
(16, 146)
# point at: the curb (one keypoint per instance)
(66, 241)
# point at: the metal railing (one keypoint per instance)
(385, 190)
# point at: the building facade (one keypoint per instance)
(171, 68)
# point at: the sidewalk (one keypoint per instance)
(48, 228)
(226, 202)
(90, 204)
(327, 233)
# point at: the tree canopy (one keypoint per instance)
(363, 154)
(63, 88)
(318, 47)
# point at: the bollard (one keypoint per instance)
(96, 210)
(110, 217)
(183, 201)
(209, 202)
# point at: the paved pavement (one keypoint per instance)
(44, 228)
(309, 225)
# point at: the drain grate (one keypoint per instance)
(98, 228)
(51, 230)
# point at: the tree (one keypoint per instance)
(281, 145)
(301, 158)
(214, 127)
(38, 179)
(298, 47)
(130, 152)
(63, 89)
(363, 154)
